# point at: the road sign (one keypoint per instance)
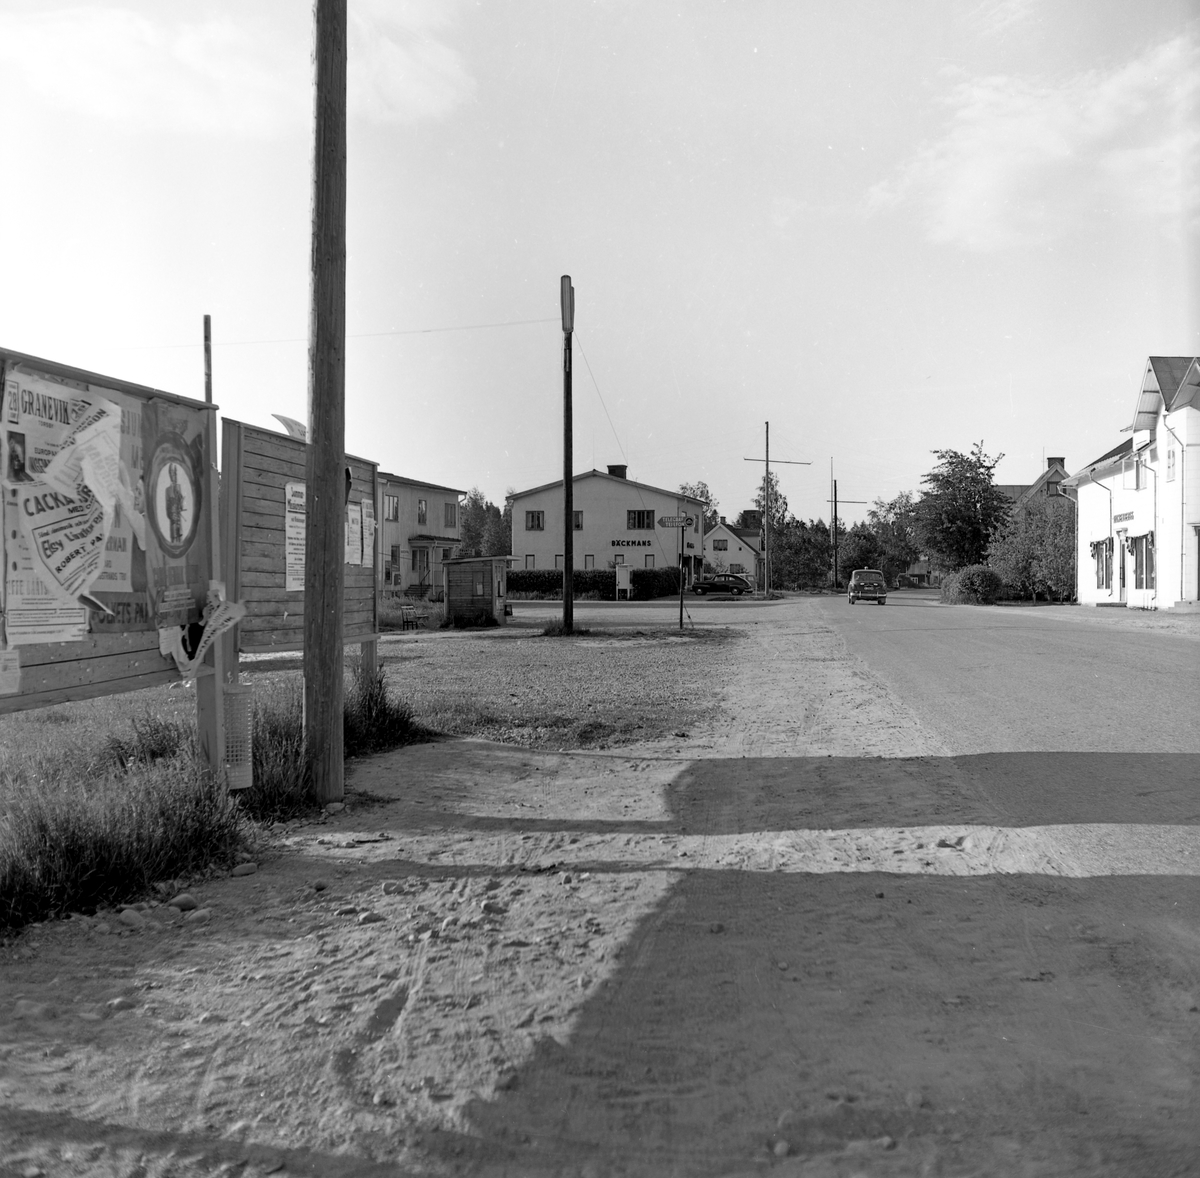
(675, 521)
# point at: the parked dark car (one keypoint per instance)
(866, 585)
(721, 583)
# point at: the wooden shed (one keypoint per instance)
(475, 588)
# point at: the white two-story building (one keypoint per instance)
(732, 549)
(616, 522)
(1138, 506)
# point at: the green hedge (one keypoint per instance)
(645, 584)
(974, 585)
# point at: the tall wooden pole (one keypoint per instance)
(567, 300)
(324, 549)
(767, 520)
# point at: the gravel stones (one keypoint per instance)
(244, 869)
(184, 902)
(370, 918)
(131, 918)
(335, 807)
(199, 916)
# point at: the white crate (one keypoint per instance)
(239, 727)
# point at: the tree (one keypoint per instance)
(700, 491)
(859, 548)
(1054, 564)
(1012, 554)
(802, 554)
(962, 509)
(779, 503)
(896, 528)
(482, 527)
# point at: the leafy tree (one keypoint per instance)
(482, 527)
(896, 528)
(700, 491)
(779, 503)
(802, 555)
(859, 548)
(962, 509)
(1035, 550)
(1012, 554)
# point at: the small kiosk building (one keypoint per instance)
(474, 588)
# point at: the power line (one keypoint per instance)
(241, 343)
(596, 385)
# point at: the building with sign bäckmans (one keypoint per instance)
(616, 522)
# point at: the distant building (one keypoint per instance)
(1048, 483)
(1138, 504)
(616, 522)
(732, 549)
(420, 527)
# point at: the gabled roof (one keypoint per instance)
(399, 478)
(1169, 382)
(750, 536)
(600, 474)
(1103, 465)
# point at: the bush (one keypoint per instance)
(600, 584)
(974, 585)
(374, 720)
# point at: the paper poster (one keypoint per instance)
(293, 531)
(354, 533)
(368, 545)
(10, 672)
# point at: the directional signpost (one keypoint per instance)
(681, 522)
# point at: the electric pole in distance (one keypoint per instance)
(767, 507)
(324, 545)
(566, 297)
(833, 523)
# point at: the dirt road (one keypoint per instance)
(812, 939)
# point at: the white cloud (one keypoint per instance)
(1024, 162)
(222, 74)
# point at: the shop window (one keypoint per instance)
(422, 513)
(639, 521)
(577, 517)
(649, 560)
(558, 561)
(530, 561)
(391, 507)
(589, 562)
(1170, 466)
(618, 558)
(1102, 552)
(535, 521)
(1143, 562)
(451, 515)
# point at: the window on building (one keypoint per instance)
(1143, 562)
(535, 521)
(618, 558)
(639, 521)
(578, 518)
(737, 568)
(451, 515)
(1102, 551)
(720, 545)
(422, 512)
(447, 553)
(558, 560)
(1170, 466)
(649, 560)
(530, 560)
(391, 507)
(589, 562)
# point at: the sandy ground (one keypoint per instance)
(795, 941)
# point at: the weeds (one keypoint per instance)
(76, 845)
(154, 738)
(557, 630)
(374, 720)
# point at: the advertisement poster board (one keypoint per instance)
(103, 510)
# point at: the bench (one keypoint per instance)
(408, 617)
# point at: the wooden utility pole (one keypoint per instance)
(324, 548)
(767, 507)
(566, 296)
(833, 523)
(210, 683)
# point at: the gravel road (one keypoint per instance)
(827, 929)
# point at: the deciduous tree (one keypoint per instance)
(962, 509)
(700, 491)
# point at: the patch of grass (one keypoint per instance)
(557, 630)
(154, 738)
(73, 844)
(374, 719)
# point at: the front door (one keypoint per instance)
(1124, 553)
(420, 565)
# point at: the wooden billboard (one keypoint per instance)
(108, 542)
(262, 528)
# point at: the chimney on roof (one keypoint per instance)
(617, 470)
(1051, 463)
(722, 519)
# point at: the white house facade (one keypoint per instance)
(420, 526)
(1138, 506)
(616, 522)
(731, 549)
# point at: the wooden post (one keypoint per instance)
(767, 519)
(324, 550)
(567, 301)
(210, 682)
(368, 652)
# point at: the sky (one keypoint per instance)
(885, 228)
